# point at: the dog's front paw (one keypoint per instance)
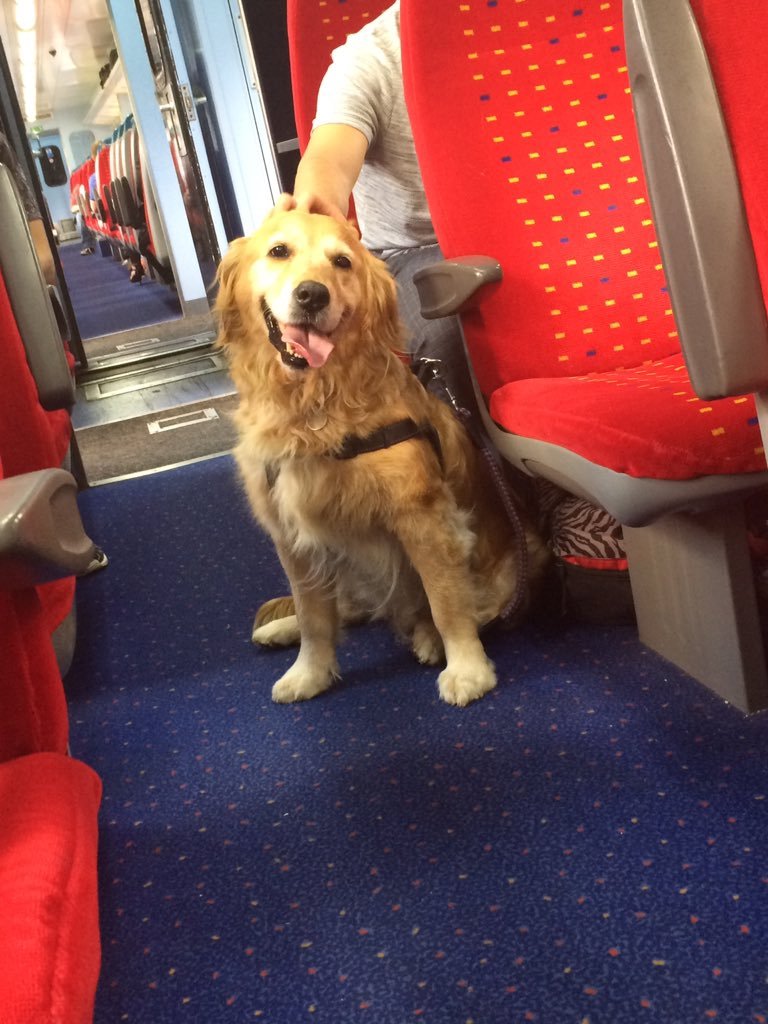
(301, 684)
(461, 685)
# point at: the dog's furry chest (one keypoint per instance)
(305, 499)
(320, 503)
(336, 528)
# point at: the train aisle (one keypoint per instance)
(586, 844)
(105, 301)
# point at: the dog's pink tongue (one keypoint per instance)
(311, 345)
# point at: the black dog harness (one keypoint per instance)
(387, 436)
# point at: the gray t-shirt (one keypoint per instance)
(363, 88)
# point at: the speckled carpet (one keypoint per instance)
(103, 298)
(586, 845)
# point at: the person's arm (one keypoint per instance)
(328, 171)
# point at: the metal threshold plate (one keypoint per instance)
(148, 348)
(156, 345)
(121, 384)
(184, 419)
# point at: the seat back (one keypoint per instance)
(548, 180)
(32, 310)
(315, 29)
(700, 109)
(131, 176)
(104, 189)
(30, 437)
(33, 714)
(737, 51)
(35, 432)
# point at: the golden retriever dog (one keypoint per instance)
(413, 532)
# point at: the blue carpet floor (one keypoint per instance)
(586, 845)
(105, 301)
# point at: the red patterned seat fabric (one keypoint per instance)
(578, 347)
(49, 929)
(33, 708)
(315, 29)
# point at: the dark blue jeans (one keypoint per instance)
(87, 236)
(436, 339)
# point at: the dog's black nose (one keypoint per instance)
(312, 296)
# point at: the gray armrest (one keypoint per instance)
(28, 294)
(703, 233)
(41, 532)
(451, 285)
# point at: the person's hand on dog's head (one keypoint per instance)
(311, 203)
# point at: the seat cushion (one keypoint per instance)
(57, 598)
(33, 709)
(606, 419)
(49, 927)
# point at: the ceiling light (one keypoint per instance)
(27, 50)
(26, 15)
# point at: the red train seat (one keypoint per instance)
(49, 929)
(577, 352)
(49, 926)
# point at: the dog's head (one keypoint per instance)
(312, 285)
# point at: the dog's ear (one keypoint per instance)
(381, 317)
(226, 307)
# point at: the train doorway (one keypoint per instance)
(168, 86)
(167, 94)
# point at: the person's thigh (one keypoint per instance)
(433, 339)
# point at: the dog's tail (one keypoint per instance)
(275, 608)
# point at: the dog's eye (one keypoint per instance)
(279, 252)
(342, 262)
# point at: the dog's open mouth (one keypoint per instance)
(300, 345)
(307, 343)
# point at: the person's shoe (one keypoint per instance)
(87, 251)
(99, 561)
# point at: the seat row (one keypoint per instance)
(113, 194)
(49, 801)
